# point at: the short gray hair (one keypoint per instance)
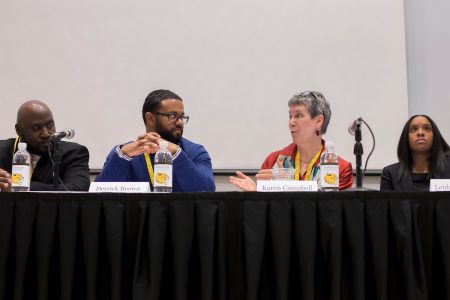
(316, 104)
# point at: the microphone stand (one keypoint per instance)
(57, 159)
(358, 151)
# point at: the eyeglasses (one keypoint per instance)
(307, 93)
(173, 117)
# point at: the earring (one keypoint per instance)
(317, 132)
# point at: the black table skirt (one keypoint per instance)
(348, 245)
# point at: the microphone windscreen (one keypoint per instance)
(352, 128)
(70, 133)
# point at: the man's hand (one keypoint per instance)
(5, 181)
(145, 143)
(173, 148)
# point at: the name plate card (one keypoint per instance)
(286, 186)
(119, 187)
(439, 185)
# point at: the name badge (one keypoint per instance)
(439, 185)
(286, 186)
(119, 187)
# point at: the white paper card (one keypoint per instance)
(439, 185)
(286, 186)
(119, 187)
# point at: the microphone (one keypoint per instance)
(67, 133)
(354, 125)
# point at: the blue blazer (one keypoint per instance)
(192, 169)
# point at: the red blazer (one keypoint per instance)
(345, 167)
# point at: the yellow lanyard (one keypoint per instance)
(15, 145)
(310, 165)
(149, 168)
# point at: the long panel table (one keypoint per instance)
(235, 245)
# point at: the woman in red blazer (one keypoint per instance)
(309, 115)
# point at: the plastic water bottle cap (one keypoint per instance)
(329, 145)
(163, 144)
(22, 146)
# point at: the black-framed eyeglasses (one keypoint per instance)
(307, 93)
(173, 117)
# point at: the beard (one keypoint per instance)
(170, 134)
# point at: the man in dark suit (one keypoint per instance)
(34, 126)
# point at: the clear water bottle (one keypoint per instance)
(329, 168)
(163, 169)
(21, 169)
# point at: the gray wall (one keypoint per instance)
(235, 63)
(428, 61)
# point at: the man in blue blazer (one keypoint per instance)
(164, 119)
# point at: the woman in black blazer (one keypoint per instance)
(423, 154)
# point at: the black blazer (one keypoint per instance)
(74, 169)
(391, 181)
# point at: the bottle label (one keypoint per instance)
(163, 175)
(329, 176)
(20, 176)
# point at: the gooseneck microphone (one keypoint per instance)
(352, 127)
(67, 133)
